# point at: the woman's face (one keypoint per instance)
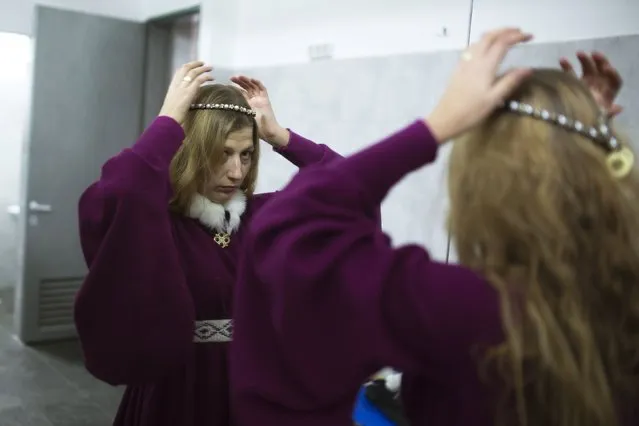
(238, 154)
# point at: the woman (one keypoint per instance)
(161, 231)
(539, 327)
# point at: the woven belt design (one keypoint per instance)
(213, 331)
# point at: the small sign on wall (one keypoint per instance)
(317, 52)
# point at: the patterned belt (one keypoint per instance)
(213, 331)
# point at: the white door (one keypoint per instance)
(86, 105)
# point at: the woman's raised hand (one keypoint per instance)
(183, 89)
(474, 90)
(257, 97)
(603, 79)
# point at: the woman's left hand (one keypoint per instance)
(601, 77)
(257, 97)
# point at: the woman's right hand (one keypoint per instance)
(474, 91)
(183, 89)
(603, 80)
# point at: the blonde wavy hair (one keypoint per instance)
(535, 209)
(203, 148)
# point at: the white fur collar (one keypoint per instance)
(213, 215)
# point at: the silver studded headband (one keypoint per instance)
(226, 107)
(600, 134)
(620, 159)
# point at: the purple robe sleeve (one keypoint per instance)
(344, 302)
(303, 152)
(134, 313)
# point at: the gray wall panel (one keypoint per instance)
(349, 104)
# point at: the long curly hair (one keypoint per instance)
(535, 209)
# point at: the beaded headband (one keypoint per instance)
(227, 107)
(619, 159)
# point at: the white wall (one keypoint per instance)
(559, 20)
(16, 16)
(280, 31)
(218, 32)
(249, 33)
(255, 33)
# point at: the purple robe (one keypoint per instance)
(152, 275)
(323, 301)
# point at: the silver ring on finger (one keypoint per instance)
(187, 79)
